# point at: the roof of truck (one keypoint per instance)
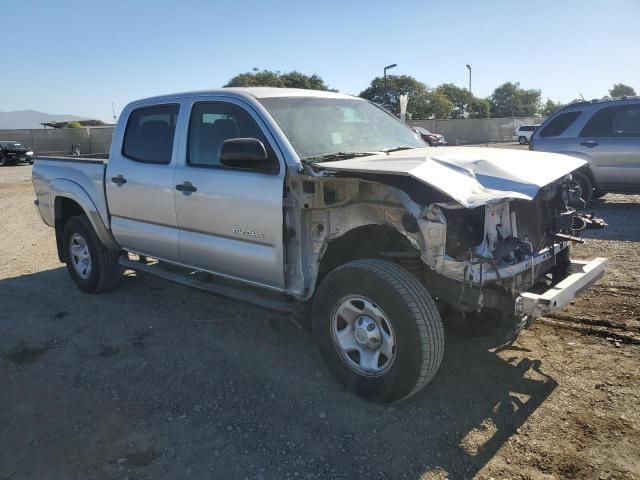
(256, 92)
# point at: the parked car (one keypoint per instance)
(606, 134)
(356, 228)
(12, 153)
(433, 139)
(523, 133)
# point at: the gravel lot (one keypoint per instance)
(154, 380)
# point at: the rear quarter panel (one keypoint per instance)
(77, 179)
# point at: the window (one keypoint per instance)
(324, 126)
(559, 124)
(527, 128)
(212, 123)
(149, 134)
(621, 121)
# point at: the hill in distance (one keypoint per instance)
(31, 119)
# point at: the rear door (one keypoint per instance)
(230, 219)
(611, 139)
(139, 183)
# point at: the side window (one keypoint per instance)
(627, 122)
(212, 123)
(614, 122)
(149, 134)
(559, 124)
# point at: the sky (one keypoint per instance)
(77, 57)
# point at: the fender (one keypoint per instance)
(62, 188)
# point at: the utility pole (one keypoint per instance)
(469, 67)
(386, 93)
(113, 111)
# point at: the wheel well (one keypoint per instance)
(587, 171)
(64, 209)
(368, 241)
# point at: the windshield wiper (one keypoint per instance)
(397, 149)
(331, 157)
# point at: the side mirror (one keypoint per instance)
(243, 153)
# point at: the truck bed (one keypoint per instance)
(77, 178)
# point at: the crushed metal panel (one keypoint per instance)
(472, 176)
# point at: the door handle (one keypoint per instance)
(589, 144)
(119, 180)
(186, 187)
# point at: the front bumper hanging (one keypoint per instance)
(582, 274)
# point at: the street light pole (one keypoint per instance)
(388, 67)
(469, 67)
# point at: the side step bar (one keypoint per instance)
(185, 276)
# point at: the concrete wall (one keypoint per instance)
(92, 141)
(475, 130)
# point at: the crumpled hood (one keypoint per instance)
(472, 176)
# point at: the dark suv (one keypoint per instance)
(605, 133)
(14, 152)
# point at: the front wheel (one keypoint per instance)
(93, 267)
(522, 140)
(378, 329)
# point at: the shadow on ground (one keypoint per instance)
(156, 380)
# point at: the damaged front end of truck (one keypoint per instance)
(485, 231)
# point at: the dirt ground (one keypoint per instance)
(154, 380)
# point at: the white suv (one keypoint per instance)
(523, 133)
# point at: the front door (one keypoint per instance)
(139, 184)
(230, 219)
(611, 139)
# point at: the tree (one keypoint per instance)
(438, 106)
(509, 100)
(460, 99)
(479, 108)
(74, 124)
(622, 90)
(549, 107)
(267, 78)
(397, 85)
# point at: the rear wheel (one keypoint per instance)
(378, 329)
(586, 186)
(522, 140)
(93, 267)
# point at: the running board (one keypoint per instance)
(187, 277)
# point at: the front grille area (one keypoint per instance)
(563, 222)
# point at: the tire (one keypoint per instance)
(586, 186)
(103, 271)
(403, 311)
(2, 160)
(522, 140)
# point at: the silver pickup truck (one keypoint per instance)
(327, 207)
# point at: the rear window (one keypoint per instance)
(149, 134)
(559, 124)
(527, 128)
(623, 121)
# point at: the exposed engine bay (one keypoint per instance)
(470, 259)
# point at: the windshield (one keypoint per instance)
(322, 127)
